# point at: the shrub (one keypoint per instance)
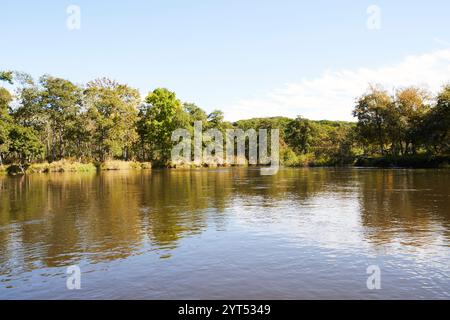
(290, 159)
(61, 166)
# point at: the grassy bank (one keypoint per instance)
(123, 165)
(287, 160)
(73, 166)
(60, 166)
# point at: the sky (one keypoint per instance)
(249, 58)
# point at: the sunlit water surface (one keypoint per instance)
(226, 234)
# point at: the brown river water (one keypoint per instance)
(227, 234)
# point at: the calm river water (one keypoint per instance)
(226, 234)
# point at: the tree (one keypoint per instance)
(5, 121)
(408, 119)
(216, 120)
(5, 100)
(61, 101)
(13, 76)
(25, 144)
(159, 117)
(112, 109)
(81, 132)
(30, 111)
(7, 76)
(195, 113)
(300, 135)
(372, 111)
(437, 123)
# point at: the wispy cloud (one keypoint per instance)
(332, 95)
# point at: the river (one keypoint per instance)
(227, 233)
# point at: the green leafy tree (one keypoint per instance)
(81, 131)
(216, 120)
(5, 122)
(112, 110)
(61, 100)
(300, 135)
(30, 111)
(195, 113)
(159, 117)
(24, 144)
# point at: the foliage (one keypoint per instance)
(372, 111)
(106, 122)
(6, 76)
(159, 117)
(300, 134)
(24, 143)
(406, 124)
(5, 121)
(112, 116)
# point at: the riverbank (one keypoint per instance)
(73, 166)
(416, 161)
(410, 161)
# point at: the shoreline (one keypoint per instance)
(68, 166)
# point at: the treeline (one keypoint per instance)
(52, 119)
(409, 122)
(407, 128)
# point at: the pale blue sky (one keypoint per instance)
(218, 53)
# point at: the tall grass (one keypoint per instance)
(123, 165)
(74, 166)
(61, 166)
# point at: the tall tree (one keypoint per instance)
(409, 116)
(25, 145)
(5, 122)
(112, 109)
(437, 123)
(61, 101)
(159, 117)
(372, 111)
(300, 134)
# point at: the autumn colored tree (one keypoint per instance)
(372, 111)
